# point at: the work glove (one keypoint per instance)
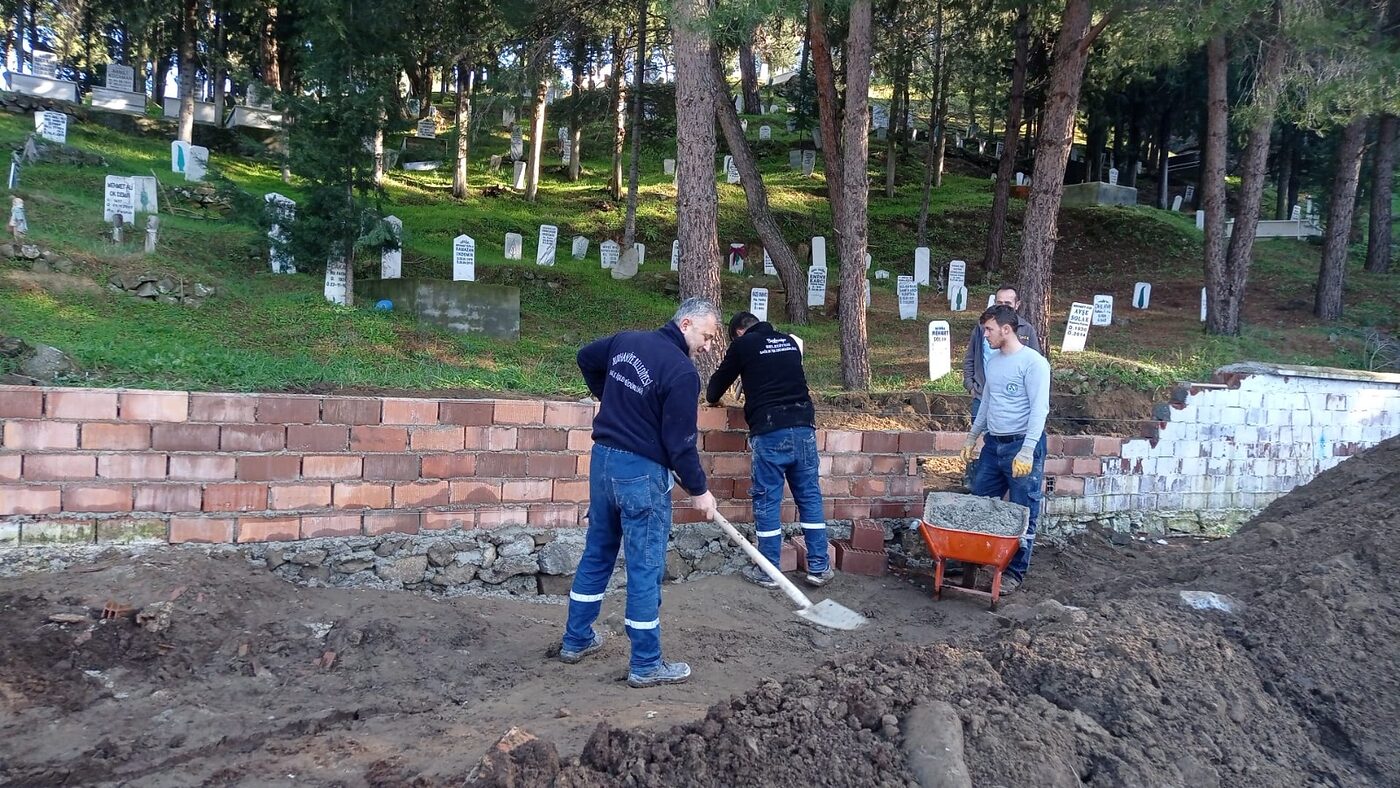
(1022, 464)
(969, 449)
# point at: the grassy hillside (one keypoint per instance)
(266, 332)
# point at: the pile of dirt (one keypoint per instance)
(1285, 677)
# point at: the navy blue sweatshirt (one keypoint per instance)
(775, 387)
(650, 393)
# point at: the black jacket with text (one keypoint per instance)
(775, 387)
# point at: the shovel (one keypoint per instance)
(826, 613)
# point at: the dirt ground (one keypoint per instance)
(1096, 673)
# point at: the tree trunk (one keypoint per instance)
(378, 145)
(933, 120)
(897, 112)
(267, 49)
(629, 225)
(697, 200)
(756, 197)
(940, 138)
(748, 76)
(852, 222)
(187, 81)
(532, 166)
(1227, 308)
(1163, 152)
(1331, 276)
(1133, 154)
(619, 104)
(1095, 141)
(466, 86)
(578, 63)
(1039, 228)
(1282, 208)
(827, 108)
(1214, 150)
(220, 59)
(1378, 253)
(996, 232)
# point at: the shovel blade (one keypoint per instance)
(828, 613)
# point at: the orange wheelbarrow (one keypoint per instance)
(969, 547)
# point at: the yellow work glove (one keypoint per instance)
(969, 449)
(1022, 464)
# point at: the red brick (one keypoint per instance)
(904, 485)
(1076, 445)
(202, 467)
(1069, 485)
(1087, 466)
(413, 496)
(1058, 466)
(289, 410)
(850, 465)
(949, 441)
(787, 557)
(253, 437)
(167, 498)
(501, 438)
(235, 497)
(916, 442)
(362, 496)
(277, 468)
(449, 466)
(446, 521)
(318, 437)
(350, 410)
(681, 515)
(725, 441)
(568, 414)
(737, 512)
(891, 464)
(731, 464)
(799, 546)
(867, 535)
(185, 437)
(879, 442)
(867, 487)
(712, 419)
(736, 419)
(842, 441)
(97, 498)
(541, 439)
(721, 487)
(553, 515)
(570, 490)
(497, 517)
(527, 490)
(29, 499)
(475, 492)
(223, 408)
(396, 523)
(18, 402)
(409, 411)
(849, 508)
(470, 414)
(475, 438)
(144, 467)
(116, 436)
(1108, 447)
(580, 440)
(502, 464)
(317, 525)
(81, 405)
(1054, 445)
(860, 562)
(389, 439)
(435, 438)
(206, 530)
(9, 468)
(40, 435)
(331, 467)
(154, 405)
(299, 496)
(581, 466)
(269, 529)
(890, 510)
(518, 412)
(834, 487)
(552, 466)
(393, 467)
(59, 467)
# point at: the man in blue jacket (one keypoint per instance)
(645, 432)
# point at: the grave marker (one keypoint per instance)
(819, 251)
(179, 155)
(337, 274)
(519, 179)
(791, 125)
(1190, 192)
(463, 259)
(816, 286)
(1103, 310)
(765, 133)
(940, 349)
(514, 246)
(507, 116)
(867, 293)
(15, 167)
(119, 199)
(921, 266)
(152, 233)
(391, 260)
(197, 165)
(991, 300)
(147, 190)
(817, 139)
(731, 173)
(736, 258)
(517, 146)
(121, 77)
(882, 274)
(668, 166)
(427, 129)
(546, 244)
(284, 211)
(676, 255)
(1113, 176)
(768, 269)
(908, 298)
(957, 274)
(1297, 213)
(795, 159)
(957, 298)
(641, 250)
(1077, 327)
(580, 247)
(566, 156)
(1142, 295)
(52, 126)
(19, 223)
(494, 163)
(1176, 203)
(1000, 147)
(44, 64)
(1200, 220)
(1203, 305)
(809, 161)
(608, 252)
(1020, 179)
(415, 106)
(758, 303)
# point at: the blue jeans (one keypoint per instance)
(993, 479)
(788, 454)
(629, 506)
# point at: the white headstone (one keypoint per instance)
(768, 269)
(179, 155)
(1190, 191)
(1077, 327)
(809, 161)
(608, 252)
(464, 259)
(337, 276)
(119, 199)
(731, 172)
(1200, 220)
(882, 274)
(284, 212)
(867, 293)
(566, 155)
(198, 163)
(819, 251)
(744, 124)
(868, 261)
(1297, 213)
(563, 136)
(817, 139)
(52, 126)
(816, 286)
(668, 166)
(758, 303)
(1203, 305)
(517, 146)
(791, 125)
(957, 298)
(957, 274)
(507, 116)
(880, 133)
(991, 300)
(1142, 295)
(514, 246)
(19, 223)
(147, 193)
(1113, 176)
(908, 297)
(921, 266)
(1020, 179)
(1000, 147)
(519, 175)
(45, 64)
(1103, 310)
(580, 247)
(427, 128)
(259, 96)
(676, 255)
(940, 349)
(121, 77)
(641, 250)
(547, 244)
(391, 260)
(795, 159)
(736, 258)
(1176, 203)
(765, 132)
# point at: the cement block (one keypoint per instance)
(58, 532)
(460, 307)
(1082, 194)
(9, 535)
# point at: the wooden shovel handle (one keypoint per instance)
(793, 592)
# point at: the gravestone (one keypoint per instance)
(816, 286)
(668, 166)
(758, 303)
(608, 252)
(731, 173)
(119, 199)
(882, 274)
(546, 245)
(179, 155)
(791, 125)
(415, 106)
(259, 96)
(1103, 310)
(819, 251)
(121, 77)
(147, 190)
(391, 260)
(1203, 305)
(152, 233)
(52, 126)
(1142, 295)
(867, 293)
(44, 64)
(921, 266)
(16, 166)
(1176, 203)
(566, 156)
(283, 211)
(880, 133)
(627, 263)
(957, 274)
(580, 247)
(795, 159)
(427, 129)
(1112, 176)
(494, 163)
(809, 161)
(507, 116)
(817, 139)
(563, 138)
(1200, 220)
(519, 178)
(991, 300)
(198, 163)
(868, 260)
(514, 246)
(744, 124)
(940, 349)
(641, 250)
(1020, 179)
(1077, 327)
(1297, 213)
(517, 146)
(463, 259)
(337, 277)
(1190, 192)
(19, 223)
(957, 298)
(676, 255)
(765, 133)
(736, 258)
(908, 293)
(1000, 147)
(768, 269)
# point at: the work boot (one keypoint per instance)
(665, 673)
(574, 657)
(1009, 584)
(759, 578)
(819, 579)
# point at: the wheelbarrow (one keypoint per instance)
(969, 547)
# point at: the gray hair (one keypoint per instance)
(696, 308)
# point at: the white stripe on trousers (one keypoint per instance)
(577, 597)
(641, 624)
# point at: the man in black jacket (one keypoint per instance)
(782, 436)
(644, 432)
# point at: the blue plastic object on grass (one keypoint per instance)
(384, 305)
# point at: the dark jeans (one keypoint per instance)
(993, 479)
(788, 454)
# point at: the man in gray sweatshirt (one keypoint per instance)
(1015, 404)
